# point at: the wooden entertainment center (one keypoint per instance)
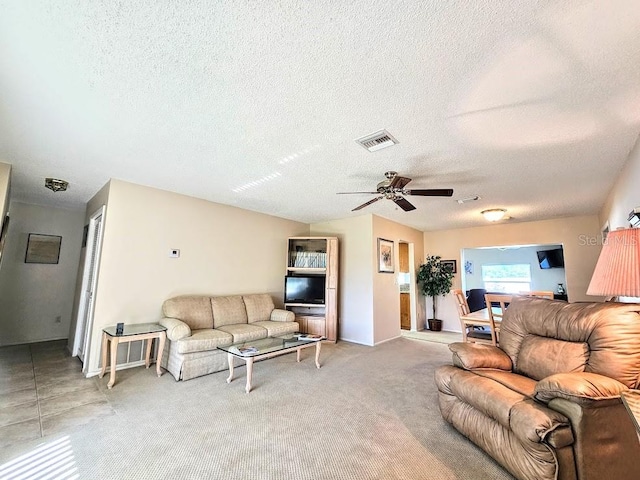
(317, 257)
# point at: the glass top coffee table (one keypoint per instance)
(267, 348)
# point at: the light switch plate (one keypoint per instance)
(174, 253)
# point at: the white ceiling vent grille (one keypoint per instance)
(377, 141)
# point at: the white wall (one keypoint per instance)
(33, 295)
(577, 235)
(625, 195)
(223, 250)
(355, 284)
(541, 279)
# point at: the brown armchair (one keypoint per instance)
(546, 403)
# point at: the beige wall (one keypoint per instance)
(223, 250)
(5, 184)
(33, 295)
(369, 307)
(355, 285)
(578, 235)
(625, 195)
(386, 293)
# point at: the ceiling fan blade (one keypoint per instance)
(431, 192)
(351, 193)
(399, 182)
(404, 204)
(368, 203)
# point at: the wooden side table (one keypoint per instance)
(131, 333)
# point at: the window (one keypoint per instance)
(507, 278)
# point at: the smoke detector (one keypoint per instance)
(377, 141)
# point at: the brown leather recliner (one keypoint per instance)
(546, 403)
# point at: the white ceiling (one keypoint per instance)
(533, 106)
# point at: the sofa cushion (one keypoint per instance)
(228, 310)
(518, 383)
(472, 355)
(259, 307)
(540, 357)
(278, 328)
(243, 332)
(194, 310)
(582, 388)
(203, 340)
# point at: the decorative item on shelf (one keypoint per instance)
(561, 289)
(634, 217)
(494, 214)
(434, 278)
(617, 271)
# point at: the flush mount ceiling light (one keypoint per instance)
(494, 214)
(55, 184)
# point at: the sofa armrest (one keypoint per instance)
(579, 387)
(471, 355)
(279, 315)
(176, 329)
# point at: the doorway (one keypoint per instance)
(404, 284)
(84, 322)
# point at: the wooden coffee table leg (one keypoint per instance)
(105, 345)
(249, 373)
(161, 340)
(230, 362)
(147, 358)
(298, 355)
(112, 361)
(318, 345)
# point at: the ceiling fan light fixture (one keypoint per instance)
(55, 184)
(494, 214)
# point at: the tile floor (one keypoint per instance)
(43, 391)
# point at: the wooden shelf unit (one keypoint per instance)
(316, 256)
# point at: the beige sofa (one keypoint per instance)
(546, 403)
(197, 325)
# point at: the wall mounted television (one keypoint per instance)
(309, 289)
(551, 258)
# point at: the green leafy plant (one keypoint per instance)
(434, 279)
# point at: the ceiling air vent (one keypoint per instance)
(377, 141)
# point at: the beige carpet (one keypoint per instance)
(429, 336)
(368, 413)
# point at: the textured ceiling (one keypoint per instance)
(533, 106)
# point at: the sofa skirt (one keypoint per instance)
(191, 365)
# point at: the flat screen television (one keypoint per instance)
(551, 258)
(304, 289)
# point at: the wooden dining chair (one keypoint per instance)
(539, 293)
(471, 332)
(497, 303)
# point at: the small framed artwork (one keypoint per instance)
(43, 248)
(451, 264)
(385, 256)
(468, 267)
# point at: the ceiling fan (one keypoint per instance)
(393, 188)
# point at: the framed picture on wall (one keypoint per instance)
(385, 256)
(451, 264)
(43, 248)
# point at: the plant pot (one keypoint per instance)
(435, 325)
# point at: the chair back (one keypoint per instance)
(475, 300)
(496, 313)
(461, 302)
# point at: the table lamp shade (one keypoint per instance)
(617, 272)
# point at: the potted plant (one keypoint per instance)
(434, 279)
